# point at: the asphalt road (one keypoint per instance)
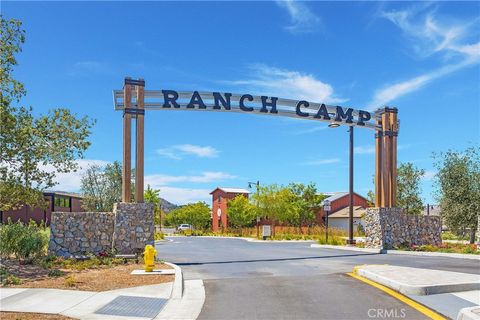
(247, 280)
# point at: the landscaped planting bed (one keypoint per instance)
(89, 275)
(31, 316)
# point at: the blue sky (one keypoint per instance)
(422, 58)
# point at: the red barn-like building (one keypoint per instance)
(220, 198)
(338, 201)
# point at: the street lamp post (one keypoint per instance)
(258, 218)
(350, 240)
(326, 210)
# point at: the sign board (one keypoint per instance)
(134, 100)
(266, 231)
(247, 103)
(219, 212)
(326, 205)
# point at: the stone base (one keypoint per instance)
(126, 230)
(387, 228)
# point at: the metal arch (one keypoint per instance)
(285, 107)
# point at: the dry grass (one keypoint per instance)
(31, 316)
(116, 277)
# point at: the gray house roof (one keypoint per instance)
(332, 196)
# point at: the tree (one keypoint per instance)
(408, 188)
(153, 196)
(306, 199)
(102, 187)
(32, 148)
(276, 203)
(196, 214)
(458, 188)
(241, 213)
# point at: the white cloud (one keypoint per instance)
(302, 19)
(429, 175)
(429, 37)
(88, 67)
(185, 195)
(71, 181)
(288, 84)
(311, 130)
(322, 162)
(368, 149)
(158, 180)
(177, 152)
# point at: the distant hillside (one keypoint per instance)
(168, 206)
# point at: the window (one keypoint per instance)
(62, 202)
(219, 198)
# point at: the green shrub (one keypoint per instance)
(25, 242)
(11, 279)
(159, 235)
(55, 273)
(70, 281)
(10, 233)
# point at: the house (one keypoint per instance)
(339, 203)
(220, 198)
(56, 201)
(340, 219)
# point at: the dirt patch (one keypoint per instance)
(31, 316)
(24, 271)
(103, 279)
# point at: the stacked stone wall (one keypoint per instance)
(73, 233)
(125, 230)
(388, 228)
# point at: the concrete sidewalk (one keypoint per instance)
(119, 304)
(173, 300)
(452, 294)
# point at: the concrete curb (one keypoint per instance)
(189, 306)
(328, 246)
(420, 290)
(186, 300)
(471, 313)
(177, 289)
(413, 253)
(253, 239)
(436, 254)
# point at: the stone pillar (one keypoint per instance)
(373, 229)
(387, 228)
(134, 227)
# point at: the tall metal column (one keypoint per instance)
(378, 166)
(386, 169)
(393, 145)
(139, 151)
(127, 143)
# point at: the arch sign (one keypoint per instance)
(383, 121)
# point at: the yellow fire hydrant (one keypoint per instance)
(149, 257)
